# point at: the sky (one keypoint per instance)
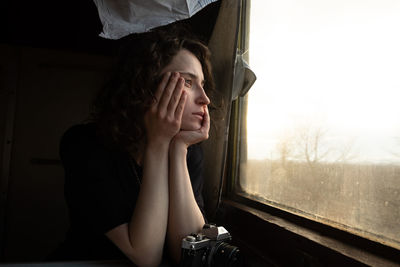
(331, 65)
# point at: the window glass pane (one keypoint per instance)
(323, 118)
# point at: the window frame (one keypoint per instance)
(276, 236)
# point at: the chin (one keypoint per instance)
(191, 127)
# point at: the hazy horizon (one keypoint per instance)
(326, 66)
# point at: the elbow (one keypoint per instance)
(175, 240)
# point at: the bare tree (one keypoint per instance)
(346, 151)
(311, 144)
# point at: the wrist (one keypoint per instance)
(157, 147)
(178, 146)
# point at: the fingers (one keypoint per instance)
(206, 119)
(180, 106)
(162, 85)
(172, 85)
(205, 127)
(163, 119)
(176, 96)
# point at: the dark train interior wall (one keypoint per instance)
(72, 25)
(52, 63)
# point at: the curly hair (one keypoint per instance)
(120, 105)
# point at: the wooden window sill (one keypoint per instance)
(281, 238)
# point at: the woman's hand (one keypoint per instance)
(193, 137)
(164, 117)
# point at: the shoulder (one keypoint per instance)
(78, 140)
(81, 143)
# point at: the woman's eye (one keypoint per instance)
(188, 83)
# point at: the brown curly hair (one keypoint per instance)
(120, 105)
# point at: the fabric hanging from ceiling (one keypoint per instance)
(123, 17)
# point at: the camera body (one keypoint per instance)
(209, 248)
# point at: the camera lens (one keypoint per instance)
(226, 255)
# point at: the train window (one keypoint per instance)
(320, 133)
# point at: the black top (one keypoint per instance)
(101, 189)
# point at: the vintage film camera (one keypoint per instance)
(210, 248)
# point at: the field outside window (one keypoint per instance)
(322, 133)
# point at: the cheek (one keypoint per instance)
(186, 112)
(188, 122)
(185, 107)
(188, 104)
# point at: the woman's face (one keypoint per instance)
(190, 69)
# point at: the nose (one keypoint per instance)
(202, 98)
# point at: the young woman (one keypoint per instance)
(133, 176)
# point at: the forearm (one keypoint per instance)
(185, 216)
(148, 226)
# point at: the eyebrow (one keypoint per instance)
(193, 76)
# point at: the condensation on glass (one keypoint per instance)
(322, 132)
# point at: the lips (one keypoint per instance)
(200, 115)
